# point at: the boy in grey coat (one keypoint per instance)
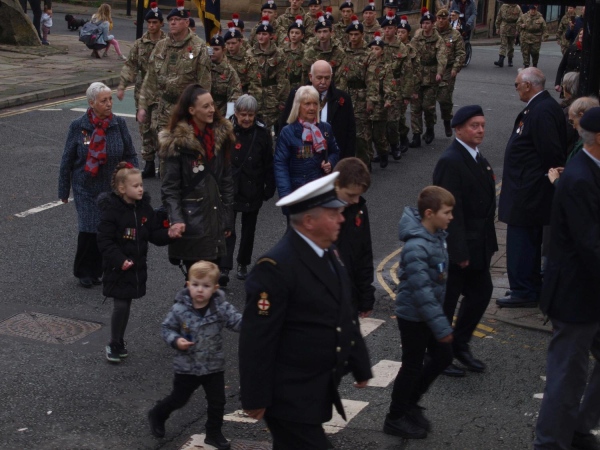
(419, 308)
(193, 327)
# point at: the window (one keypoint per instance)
(552, 13)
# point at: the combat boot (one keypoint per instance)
(216, 439)
(429, 136)
(376, 159)
(149, 170)
(403, 143)
(416, 141)
(500, 62)
(448, 128)
(384, 160)
(396, 153)
(510, 62)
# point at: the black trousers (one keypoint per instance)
(184, 385)
(244, 257)
(415, 377)
(523, 261)
(88, 259)
(119, 319)
(36, 7)
(476, 288)
(296, 436)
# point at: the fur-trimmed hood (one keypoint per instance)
(171, 142)
(110, 200)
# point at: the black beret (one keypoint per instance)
(322, 22)
(192, 23)
(239, 23)
(347, 5)
(465, 113)
(390, 21)
(591, 120)
(390, 4)
(269, 5)
(154, 13)
(179, 11)
(370, 7)
(315, 2)
(297, 24)
(355, 25)
(404, 24)
(217, 41)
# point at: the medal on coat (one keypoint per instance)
(520, 129)
(197, 166)
(191, 55)
(264, 304)
(86, 138)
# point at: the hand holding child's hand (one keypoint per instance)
(127, 264)
(447, 339)
(183, 344)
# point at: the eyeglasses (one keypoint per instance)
(571, 122)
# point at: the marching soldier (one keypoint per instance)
(506, 24)
(432, 52)
(290, 17)
(315, 7)
(563, 26)
(388, 7)
(339, 29)
(370, 23)
(272, 72)
(238, 24)
(268, 10)
(455, 53)
(403, 32)
(244, 64)
(176, 62)
(533, 29)
(294, 52)
(325, 48)
(135, 70)
(226, 86)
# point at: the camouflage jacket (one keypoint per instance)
(370, 31)
(272, 71)
(286, 19)
(171, 70)
(183, 321)
(134, 68)
(293, 60)
(415, 62)
(432, 52)
(535, 28)
(397, 56)
(252, 40)
(334, 56)
(226, 86)
(339, 31)
(381, 88)
(563, 26)
(353, 76)
(247, 69)
(455, 51)
(506, 20)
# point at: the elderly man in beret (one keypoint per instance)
(464, 172)
(570, 297)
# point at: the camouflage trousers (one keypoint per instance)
(363, 138)
(444, 97)
(393, 124)
(425, 104)
(404, 130)
(507, 45)
(533, 50)
(378, 133)
(270, 118)
(564, 47)
(149, 141)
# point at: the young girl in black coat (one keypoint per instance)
(127, 223)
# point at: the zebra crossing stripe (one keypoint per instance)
(384, 372)
(239, 416)
(196, 442)
(367, 326)
(337, 423)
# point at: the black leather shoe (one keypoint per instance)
(447, 128)
(376, 159)
(466, 359)
(96, 281)
(217, 440)
(404, 144)
(149, 170)
(515, 302)
(415, 413)
(585, 442)
(403, 427)
(384, 160)
(157, 427)
(396, 153)
(429, 136)
(416, 141)
(242, 272)
(86, 282)
(454, 371)
(224, 278)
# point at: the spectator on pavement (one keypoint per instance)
(575, 27)
(104, 18)
(46, 24)
(467, 11)
(570, 62)
(570, 298)
(96, 143)
(570, 88)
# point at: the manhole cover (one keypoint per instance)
(47, 328)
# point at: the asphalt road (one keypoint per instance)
(66, 396)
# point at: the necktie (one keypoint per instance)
(323, 102)
(328, 255)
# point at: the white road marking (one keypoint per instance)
(196, 442)
(367, 326)
(384, 372)
(239, 416)
(50, 109)
(543, 378)
(352, 408)
(41, 208)
(117, 114)
(538, 396)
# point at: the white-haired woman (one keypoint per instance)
(306, 148)
(96, 143)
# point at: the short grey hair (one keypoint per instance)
(570, 83)
(94, 89)
(303, 94)
(296, 219)
(534, 76)
(589, 137)
(312, 68)
(246, 103)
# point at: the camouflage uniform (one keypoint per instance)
(134, 69)
(370, 31)
(283, 22)
(415, 74)
(562, 31)
(531, 36)
(247, 69)
(339, 31)
(381, 89)
(293, 59)
(506, 25)
(432, 53)
(334, 56)
(275, 83)
(252, 41)
(455, 53)
(352, 80)
(170, 71)
(226, 85)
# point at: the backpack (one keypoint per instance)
(90, 33)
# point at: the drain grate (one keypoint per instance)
(47, 328)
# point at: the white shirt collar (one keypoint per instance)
(324, 112)
(596, 160)
(318, 250)
(534, 97)
(472, 151)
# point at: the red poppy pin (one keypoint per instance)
(129, 166)
(394, 82)
(494, 176)
(341, 102)
(246, 70)
(144, 220)
(358, 219)
(190, 49)
(274, 63)
(166, 224)
(299, 64)
(399, 55)
(223, 77)
(332, 63)
(238, 146)
(347, 69)
(258, 76)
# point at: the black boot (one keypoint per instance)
(217, 440)
(416, 141)
(403, 427)
(500, 62)
(376, 159)
(149, 170)
(404, 143)
(224, 278)
(429, 136)
(396, 153)
(157, 426)
(510, 62)
(242, 272)
(383, 161)
(447, 128)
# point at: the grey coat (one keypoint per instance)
(86, 189)
(422, 272)
(206, 356)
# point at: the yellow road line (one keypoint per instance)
(380, 268)
(393, 271)
(485, 328)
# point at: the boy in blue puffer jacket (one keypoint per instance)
(419, 309)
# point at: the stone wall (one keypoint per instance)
(15, 26)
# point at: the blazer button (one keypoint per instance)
(339, 330)
(345, 363)
(354, 322)
(352, 343)
(333, 370)
(339, 349)
(250, 158)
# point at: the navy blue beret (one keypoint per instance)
(465, 113)
(192, 23)
(591, 120)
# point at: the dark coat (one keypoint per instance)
(293, 354)
(571, 35)
(471, 234)
(123, 233)
(356, 251)
(571, 290)
(86, 189)
(253, 176)
(570, 62)
(340, 115)
(537, 144)
(206, 211)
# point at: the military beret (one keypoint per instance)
(192, 23)
(347, 5)
(239, 23)
(465, 113)
(315, 2)
(355, 25)
(591, 120)
(532, 6)
(217, 41)
(370, 7)
(179, 11)
(297, 24)
(390, 20)
(232, 32)
(404, 24)
(442, 13)
(154, 13)
(390, 4)
(319, 193)
(265, 26)
(378, 41)
(322, 22)
(269, 5)
(426, 15)
(329, 15)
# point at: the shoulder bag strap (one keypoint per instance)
(238, 171)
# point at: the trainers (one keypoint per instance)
(112, 353)
(157, 426)
(217, 440)
(403, 427)
(415, 413)
(122, 349)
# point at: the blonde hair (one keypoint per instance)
(123, 170)
(303, 94)
(103, 15)
(582, 104)
(203, 269)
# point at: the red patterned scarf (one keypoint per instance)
(206, 138)
(311, 133)
(97, 149)
(579, 46)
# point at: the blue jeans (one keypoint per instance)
(523, 261)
